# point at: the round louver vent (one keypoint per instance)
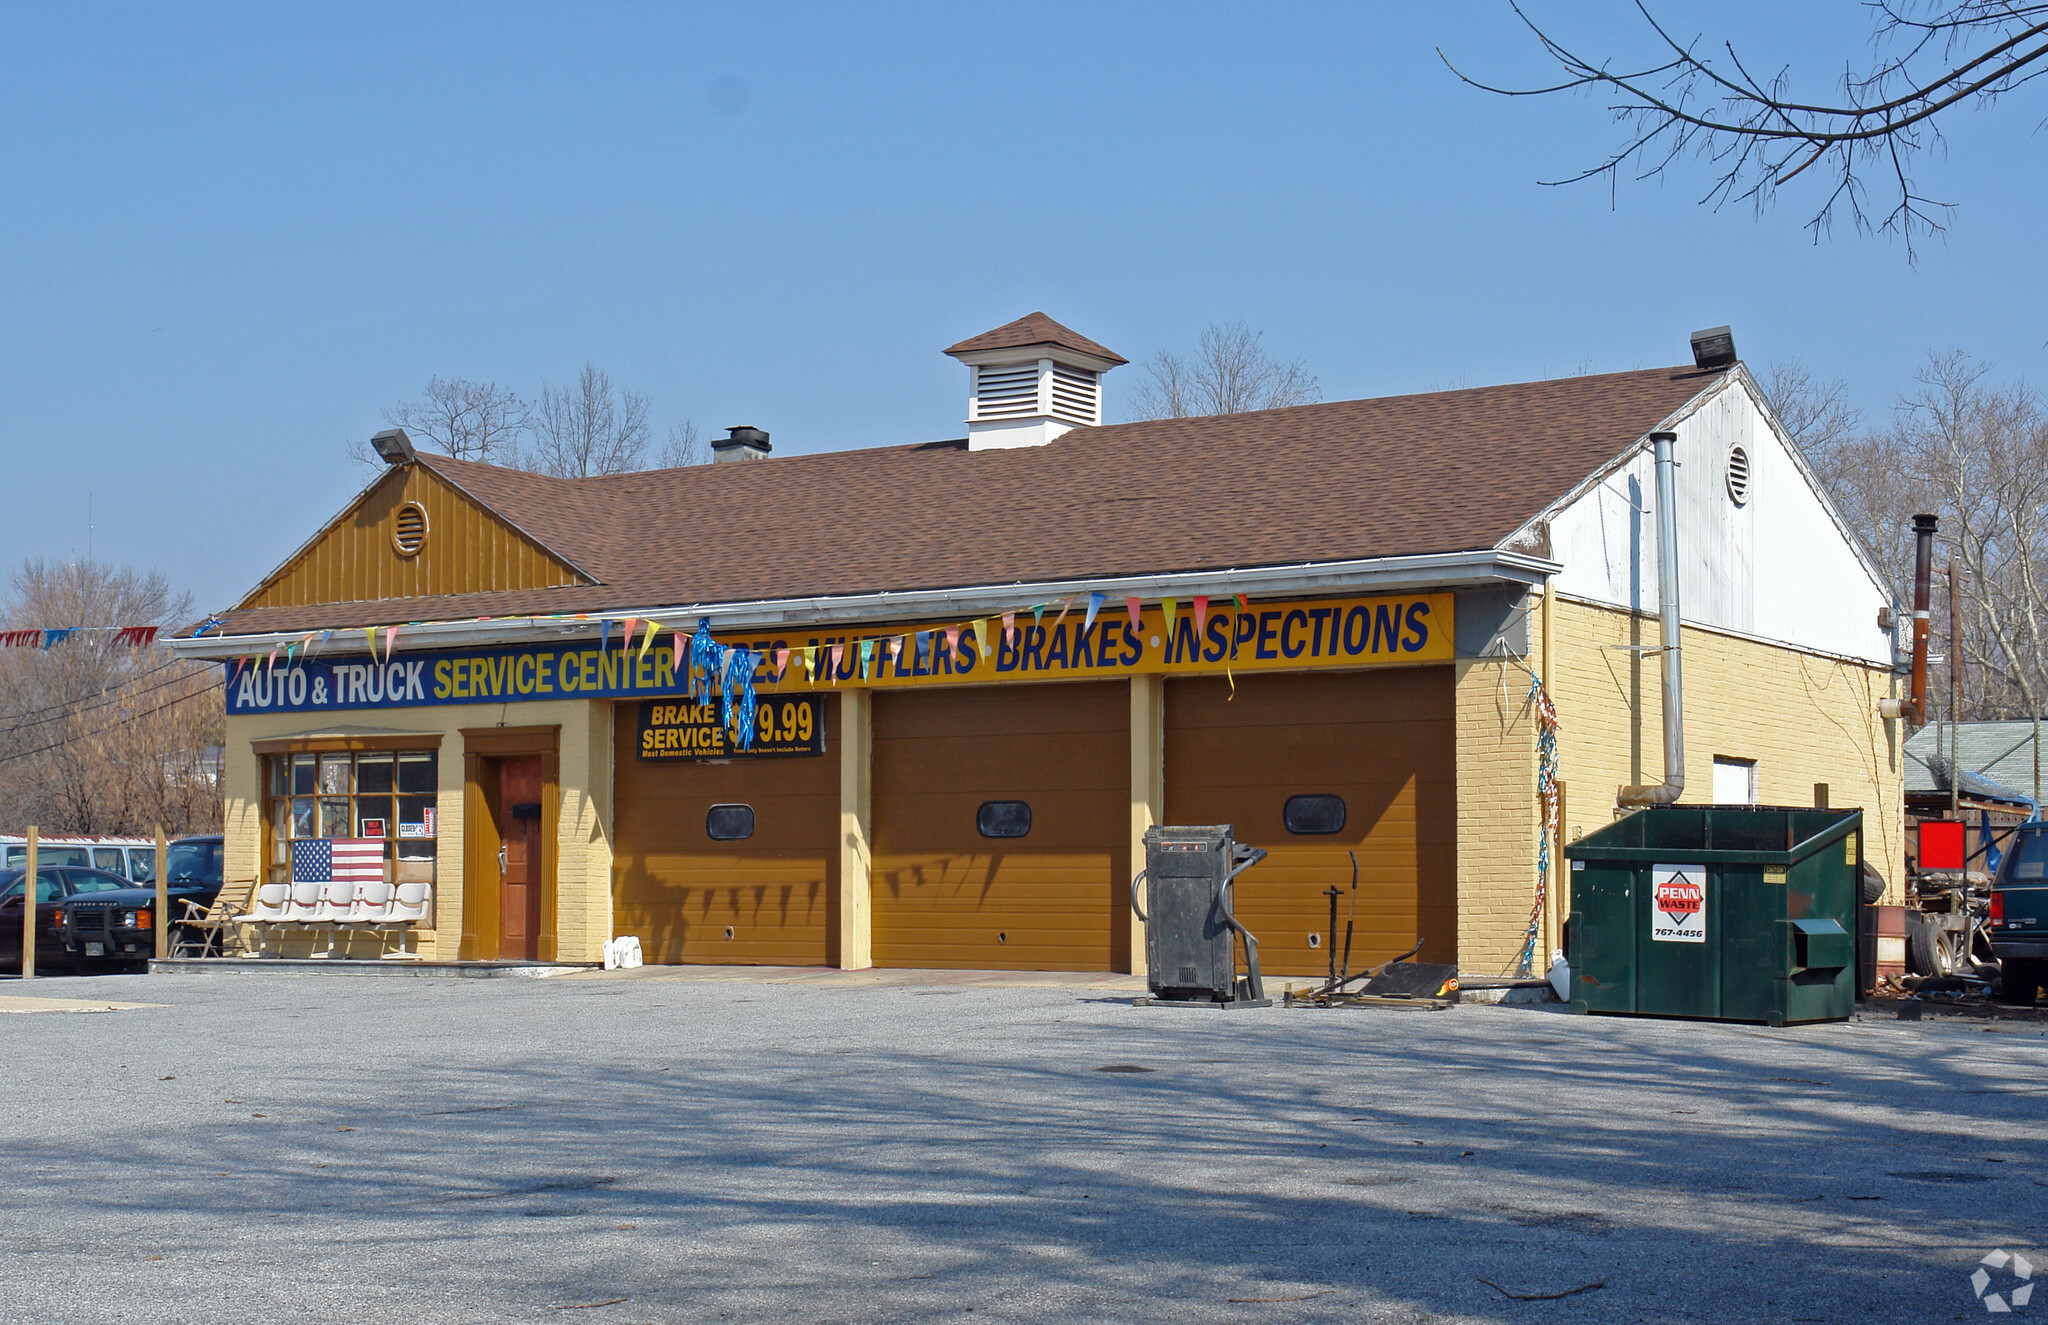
(409, 531)
(1738, 475)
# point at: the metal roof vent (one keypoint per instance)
(741, 443)
(1738, 475)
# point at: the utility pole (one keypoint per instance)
(1955, 696)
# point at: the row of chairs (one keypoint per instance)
(336, 906)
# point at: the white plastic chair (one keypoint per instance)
(409, 905)
(336, 905)
(270, 906)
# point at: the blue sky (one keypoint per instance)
(229, 237)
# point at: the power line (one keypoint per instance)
(89, 708)
(100, 731)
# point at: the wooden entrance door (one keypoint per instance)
(519, 832)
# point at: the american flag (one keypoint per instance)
(338, 860)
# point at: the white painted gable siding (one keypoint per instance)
(1777, 568)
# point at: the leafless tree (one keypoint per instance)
(1975, 454)
(684, 446)
(468, 420)
(1700, 99)
(1819, 415)
(98, 735)
(1228, 373)
(588, 427)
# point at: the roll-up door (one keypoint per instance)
(1002, 827)
(1368, 759)
(728, 861)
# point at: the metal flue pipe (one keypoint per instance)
(1923, 602)
(1669, 790)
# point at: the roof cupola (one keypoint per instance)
(1030, 380)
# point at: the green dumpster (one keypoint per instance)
(1723, 912)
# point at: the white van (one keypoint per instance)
(132, 858)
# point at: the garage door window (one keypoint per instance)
(1003, 819)
(729, 823)
(1311, 815)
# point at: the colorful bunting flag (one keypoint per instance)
(952, 641)
(604, 635)
(677, 666)
(653, 629)
(781, 663)
(1137, 613)
(981, 639)
(1095, 601)
(867, 652)
(811, 662)
(838, 660)
(1244, 603)
(1010, 628)
(1066, 605)
(370, 634)
(626, 641)
(390, 641)
(1168, 607)
(1037, 613)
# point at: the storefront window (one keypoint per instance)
(382, 794)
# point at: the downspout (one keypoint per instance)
(1664, 793)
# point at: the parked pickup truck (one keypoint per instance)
(119, 927)
(2019, 914)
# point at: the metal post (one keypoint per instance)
(28, 910)
(1955, 697)
(163, 896)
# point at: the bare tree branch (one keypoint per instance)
(1228, 373)
(468, 420)
(588, 427)
(684, 447)
(1758, 137)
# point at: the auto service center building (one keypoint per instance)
(981, 668)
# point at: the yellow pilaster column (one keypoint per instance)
(856, 814)
(1148, 784)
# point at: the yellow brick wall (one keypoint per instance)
(1497, 814)
(1804, 718)
(583, 841)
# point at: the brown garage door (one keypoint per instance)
(1053, 899)
(771, 898)
(1380, 742)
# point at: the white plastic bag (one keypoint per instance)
(611, 954)
(623, 953)
(1561, 977)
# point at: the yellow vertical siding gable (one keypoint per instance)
(469, 549)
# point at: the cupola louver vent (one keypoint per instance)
(1076, 396)
(1006, 392)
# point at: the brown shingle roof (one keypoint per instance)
(1034, 329)
(1404, 475)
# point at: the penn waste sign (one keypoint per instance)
(1053, 645)
(1678, 903)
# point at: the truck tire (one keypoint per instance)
(2018, 981)
(1926, 954)
(1872, 885)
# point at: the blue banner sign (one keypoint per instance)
(514, 673)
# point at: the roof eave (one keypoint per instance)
(1478, 568)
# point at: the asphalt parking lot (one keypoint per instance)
(595, 1150)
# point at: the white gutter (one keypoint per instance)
(1376, 574)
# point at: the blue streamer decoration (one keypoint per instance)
(738, 674)
(703, 662)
